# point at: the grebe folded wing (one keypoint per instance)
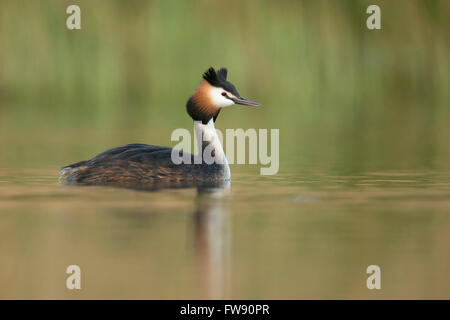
(130, 165)
(130, 152)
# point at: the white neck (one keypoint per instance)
(206, 134)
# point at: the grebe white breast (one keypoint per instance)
(147, 167)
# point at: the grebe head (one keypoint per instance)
(213, 94)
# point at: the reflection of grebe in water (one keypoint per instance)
(147, 166)
(211, 232)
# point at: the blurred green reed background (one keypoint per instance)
(344, 97)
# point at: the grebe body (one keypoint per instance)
(151, 167)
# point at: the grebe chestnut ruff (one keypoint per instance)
(144, 166)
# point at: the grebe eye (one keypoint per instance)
(224, 94)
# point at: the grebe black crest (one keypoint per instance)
(142, 166)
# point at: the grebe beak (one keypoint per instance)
(245, 102)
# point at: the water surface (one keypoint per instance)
(285, 236)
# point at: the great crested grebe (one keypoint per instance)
(147, 167)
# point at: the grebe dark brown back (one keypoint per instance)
(150, 167)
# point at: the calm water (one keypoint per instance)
(286, 236)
